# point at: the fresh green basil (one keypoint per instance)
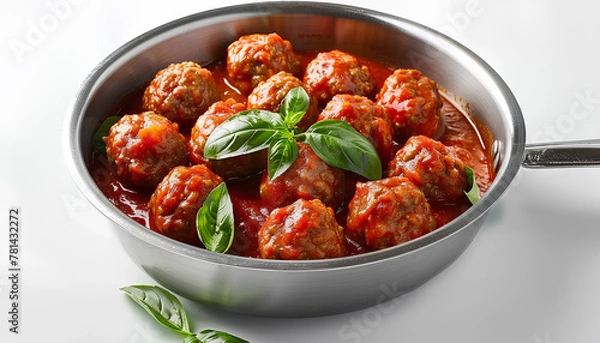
(214, 220)
(335, 141)
(294, 106)
(98, 143)
(161, 305)
(338, 144)
(473, 194)
(282, 154)
(244, 133)
(213, 336)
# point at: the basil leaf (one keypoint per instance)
(98, 143)
(244, 133)
(338, 144)
(282, 154)
(213, 336)
(160, 304)
(473, 193)
(214, 220)
(294, 106)
(192, 339)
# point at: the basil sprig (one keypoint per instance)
(214, 220)
(473, 193)
(167, 310)
(334, 141)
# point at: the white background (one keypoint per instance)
(532, 275)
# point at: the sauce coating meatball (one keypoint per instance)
(254, 58)
(337, 72)
(388, 212)
(366, 117)
(234, 167)
(177, 199)
(412, 103)
(431, 166)
(144, 147)
(306, 229)
(269, 94)
(309, 177)
(181, 92)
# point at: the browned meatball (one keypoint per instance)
(254, 58)
(269, 94)
(412, 103)
(388, 212)
(216, 114)
(144, 147)
(304, 230)
(364, 116)
(181, 92)
(234, 167)
(433, 167)
(308, 177)
(175, 202)
(337, 72)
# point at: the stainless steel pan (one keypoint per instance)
(306, 288)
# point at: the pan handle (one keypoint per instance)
(584, 153)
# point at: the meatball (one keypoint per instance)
(337, 72)
(308, 177)
(366, 117)
(254, 58)
(234, 167)
(181, 92)
(412, 103)
(175, 202)
(388, 212)
(304, 230)
(269, 94)
(144, 147)
(433, 167)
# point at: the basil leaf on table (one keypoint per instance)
(213, 336)
(473, 193)
(214, 220)
(244, 133)
(98, 143)
(161, 305)
(338, 144)
(282, 154)
(294, 106)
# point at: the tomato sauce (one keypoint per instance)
(460, 130)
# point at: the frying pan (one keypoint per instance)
(320, 287)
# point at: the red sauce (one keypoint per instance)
(250, 212)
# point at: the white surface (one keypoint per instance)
(532, 275)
